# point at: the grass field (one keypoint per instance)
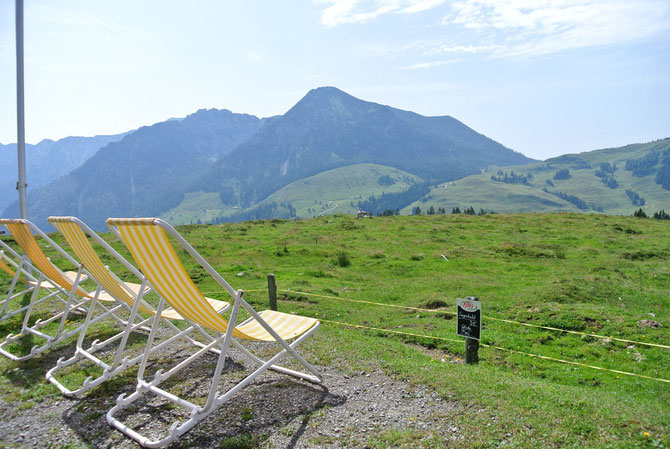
(589, 273)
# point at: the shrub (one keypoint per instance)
(342, 259)
(640, 214)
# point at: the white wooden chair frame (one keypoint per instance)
(60, 292)
(119, 363)
(220, 340)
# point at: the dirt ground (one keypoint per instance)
(363, 409)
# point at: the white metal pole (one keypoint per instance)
(20, 120)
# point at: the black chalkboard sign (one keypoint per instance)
(469, 317)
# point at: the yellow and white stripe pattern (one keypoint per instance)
(82, 248)
(157, 258)
(25, 239)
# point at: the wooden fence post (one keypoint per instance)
(471, 350)
(472, 344)
(272, 291)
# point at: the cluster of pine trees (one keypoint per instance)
(561, 174)
(378, 205)
(663, 173)
(635, 198)
(580, 203)
(642, 166)
(512, 178)
(646, 165)
(660, 215)
(605, 172)
(456, 210)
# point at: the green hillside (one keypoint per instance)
(203, 206)
(330, 192)
(480, 191)
(339, 190)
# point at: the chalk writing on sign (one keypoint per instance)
(469, 316)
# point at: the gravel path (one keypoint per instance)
(274, 411)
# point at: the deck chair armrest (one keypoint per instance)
(10, 250)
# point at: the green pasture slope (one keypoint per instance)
(203, 206)
(334, 191)
(591, 273)
(480, 191)
(330, 192)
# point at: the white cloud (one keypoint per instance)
(430, 64)
(528, 27)
(502, 28)
(446, 48)
(360, 11)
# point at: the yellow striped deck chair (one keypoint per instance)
(67, 288)
(147, 240)
(129, 295)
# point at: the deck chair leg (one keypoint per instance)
(211, 398)
(315, 377)
(129, 326)
(24, 329)
(68, 306)
(62, 362)
(150, 341)
(289, 348)
(33, 298)
(80, 353)
(87, 320)
(15, 279)
(214, 399)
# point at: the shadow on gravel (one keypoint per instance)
(271, 401)
(32, 371)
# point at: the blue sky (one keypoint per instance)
(544, 77)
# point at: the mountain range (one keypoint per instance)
(329, 153)
(144, 173)
(47, 161)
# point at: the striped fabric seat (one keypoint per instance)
(26, 240)
(115, 288)
(4, 267)
(70, 275)
(157, 258)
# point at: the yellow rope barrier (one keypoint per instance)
(500, 348)
(419, 309)
(245, 291)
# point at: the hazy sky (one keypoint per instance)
(544, 77)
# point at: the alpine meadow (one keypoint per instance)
(337, 224)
